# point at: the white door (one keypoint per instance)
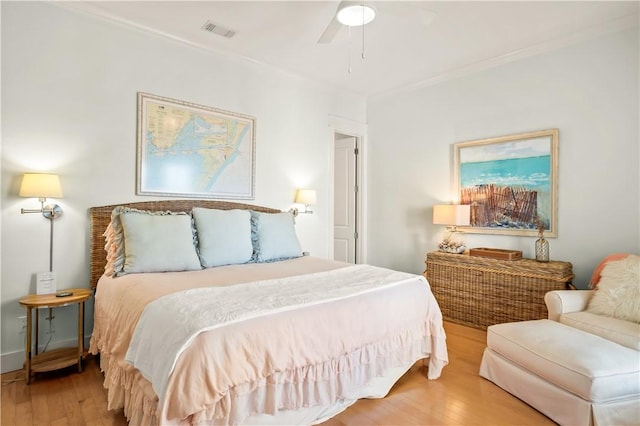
(345, 200)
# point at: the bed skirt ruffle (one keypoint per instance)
(368, 372)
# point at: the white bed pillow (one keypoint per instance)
(618, 292)
(274, 237)
(224, 236)
(157, 242)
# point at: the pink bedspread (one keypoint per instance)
(394, 326)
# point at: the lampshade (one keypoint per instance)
(306, 196)
(355, 15)
(40, 185)
(452, 214)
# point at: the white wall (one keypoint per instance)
(69, 84)
(589, 91)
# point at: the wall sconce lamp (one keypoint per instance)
(452, 215)
(43, 186)
(306, 197)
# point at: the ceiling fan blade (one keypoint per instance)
(330, 32)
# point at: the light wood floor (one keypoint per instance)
(459, 397)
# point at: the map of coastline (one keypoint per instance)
(195, 152)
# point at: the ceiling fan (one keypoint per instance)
(358, 13)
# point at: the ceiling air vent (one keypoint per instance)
(218, 29)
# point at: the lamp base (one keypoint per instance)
(295, 211)
(52, 211)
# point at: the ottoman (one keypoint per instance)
(571, 376)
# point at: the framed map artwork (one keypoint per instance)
(192, 150)
(510, 182)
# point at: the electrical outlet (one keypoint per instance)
(22, 324)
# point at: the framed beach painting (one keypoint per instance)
(185, 149)
(511, 183)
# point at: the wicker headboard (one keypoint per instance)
(99, 218)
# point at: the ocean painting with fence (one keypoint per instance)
(508, 188)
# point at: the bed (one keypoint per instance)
(279, 339)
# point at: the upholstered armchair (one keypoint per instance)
(580, 366)
(611, 310)
(569, 307)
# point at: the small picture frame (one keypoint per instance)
(45, 282)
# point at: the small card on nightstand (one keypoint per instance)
(45, 282)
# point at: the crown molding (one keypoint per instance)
(590, 33)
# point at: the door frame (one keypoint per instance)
(359, 131)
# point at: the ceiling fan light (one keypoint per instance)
(352, 16)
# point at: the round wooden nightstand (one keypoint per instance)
(58, 358)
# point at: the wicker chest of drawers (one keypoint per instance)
(480, 292)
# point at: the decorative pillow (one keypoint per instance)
(174, 242)
(595, 277)
(224, 236)
(114, 243)
(274, 237)
(158, 242)
(111, 247)
(618, 292)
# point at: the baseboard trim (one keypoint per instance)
(13, 361)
